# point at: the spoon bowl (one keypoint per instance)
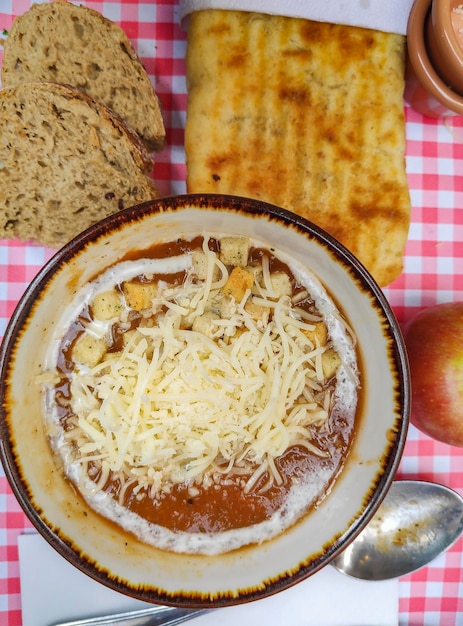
(416, 522)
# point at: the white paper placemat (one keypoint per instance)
(52, 590)
(390, 16)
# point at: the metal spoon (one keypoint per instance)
(415, 523)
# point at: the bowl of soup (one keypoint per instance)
(204, 400)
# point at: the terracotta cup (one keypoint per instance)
(445, 48)
(426, 90)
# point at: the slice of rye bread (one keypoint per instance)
(66, 161)
(305, 115)
(75, 45)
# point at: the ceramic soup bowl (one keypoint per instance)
(117, 558)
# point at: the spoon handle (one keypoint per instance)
(153, 616)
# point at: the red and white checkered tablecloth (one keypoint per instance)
(433, 273)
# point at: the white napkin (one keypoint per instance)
(390, 16)
(52, 590)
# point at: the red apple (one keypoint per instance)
(434, 341)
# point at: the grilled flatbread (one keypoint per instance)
(305, 115)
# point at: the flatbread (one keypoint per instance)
(305, 115)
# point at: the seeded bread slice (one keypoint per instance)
(75, 45)
(66, 161)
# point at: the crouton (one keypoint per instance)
(128, 336)
(330, 363)
(204, 324)
(200, 265)
(139, 296)
(319, 335)
(133, 337)
(281, 284)
(234, 251)
(239, 281)
(88, 350)
(257, 271)
(106, 305)
(227, 307)
(257, 311)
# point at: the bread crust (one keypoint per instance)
(305, 115)
(69, 44)
(66, 161)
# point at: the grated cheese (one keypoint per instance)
(180, 406)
